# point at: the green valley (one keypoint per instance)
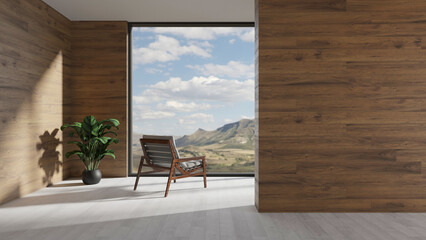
(229, 148)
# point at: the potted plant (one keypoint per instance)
(93, 144)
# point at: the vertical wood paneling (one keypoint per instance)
(98, 87)
(341, 105)
(34, 50)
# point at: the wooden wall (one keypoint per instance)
(54, 71)
(34, 63)
(341, 105)
(98, 87)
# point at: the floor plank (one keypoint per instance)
(225, 210)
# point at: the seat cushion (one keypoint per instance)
(160, 164)
(187, 166)
(191, 164)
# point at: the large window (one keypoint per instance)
(197, 84)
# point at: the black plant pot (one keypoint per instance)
(92, 176)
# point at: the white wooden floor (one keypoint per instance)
(111, 210)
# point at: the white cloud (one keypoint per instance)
(232, 41)
(199, 88)
(201, 33)
(196, 118)
(153, 70)
(136, 128)
(204, 44)
(165, 49)
(157, 115)
(176, 106)
(227, 120)
(142, 99)
(233, 69)
(248, 36)
(204, 33)
(143, 112)
(246, 117)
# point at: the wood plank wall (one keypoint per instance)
(342, 105)
(98, 87)
(34, 63)
(48, 78)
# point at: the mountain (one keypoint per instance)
(233, 135)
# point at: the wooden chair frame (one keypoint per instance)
(174, 165)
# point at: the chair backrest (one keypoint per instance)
(159, 149)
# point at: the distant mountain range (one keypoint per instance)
(233, 135)
(229, 148)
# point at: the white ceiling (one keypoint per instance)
(156, 10)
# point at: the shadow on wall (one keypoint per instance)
(34, 65)
(10, 193)
(30, 102)
(49, 161)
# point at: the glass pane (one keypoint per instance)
(197, 84)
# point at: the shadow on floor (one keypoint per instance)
(228, 223)
(185, 225)
(67, 185)
(79, 195)
(101, 193)
(194, 179)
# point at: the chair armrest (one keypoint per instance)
(191, 159)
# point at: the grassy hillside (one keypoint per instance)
(229, 148)
(233, 135)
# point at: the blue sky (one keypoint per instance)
(185, 78)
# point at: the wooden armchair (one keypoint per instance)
(160, 154)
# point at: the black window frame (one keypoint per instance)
(131, 25)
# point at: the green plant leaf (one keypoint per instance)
(90, 120)
(115, 122)
(95, 130)
(93, 144)
(69, 154)
(106, 126)
(107, 154)
(89, 123)
(103, 140)
(82, 146)
(109, 151)
(77, 128)
(111, 132)
(66, 126)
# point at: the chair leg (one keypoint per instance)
(170, 179)
(205, 173)
(174, 175)
(139, 174)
